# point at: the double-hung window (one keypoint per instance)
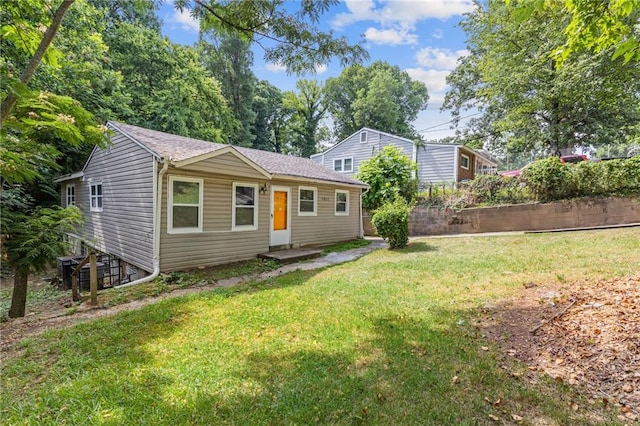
(342, 203)
(71, 195)
(465, 161)
(184, 204)
(95, 197)
(307, 201)
(245, 207)
(343, 165)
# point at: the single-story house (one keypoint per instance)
(437, 162)
(161, 202)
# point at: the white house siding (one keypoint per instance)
(124, 227)
(326, 227)
(359, 152)
(436, 163)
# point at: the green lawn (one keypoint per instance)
(375, 341)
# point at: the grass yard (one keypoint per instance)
(387, 339)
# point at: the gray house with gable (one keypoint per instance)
(437, 162)
(162, 202)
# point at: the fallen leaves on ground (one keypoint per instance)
(586, 333)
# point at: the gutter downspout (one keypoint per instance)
(156, 228)
(362, 192)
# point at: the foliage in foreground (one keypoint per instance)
(375, 341)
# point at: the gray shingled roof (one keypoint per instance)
(180, 148)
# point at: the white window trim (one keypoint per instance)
(91, 197)
(335, 203)
(342, 169)
(170, 228)
(468, 161)
(363, 140)
(71, 202)
(255, 208)
(315, 201)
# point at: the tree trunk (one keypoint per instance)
(19, 296)
(10, 101)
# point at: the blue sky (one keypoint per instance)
(419, 36)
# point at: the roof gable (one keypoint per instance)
(364, 129)
(182, 151)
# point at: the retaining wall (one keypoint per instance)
(580, 213)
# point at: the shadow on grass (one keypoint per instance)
(407, 371)
(417, 247)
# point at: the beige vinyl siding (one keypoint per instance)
(436, 163)
(124, 227)
(226, 164)
(326, 227)
(217, 243)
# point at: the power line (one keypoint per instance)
(447, 122)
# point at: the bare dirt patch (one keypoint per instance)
(583, 333)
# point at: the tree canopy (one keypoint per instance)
(529, 102)
(380, 96)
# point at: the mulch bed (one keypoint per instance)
(585, 333)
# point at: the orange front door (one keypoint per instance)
(279, 210)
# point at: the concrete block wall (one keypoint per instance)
(580, 213)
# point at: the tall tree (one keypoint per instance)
(229, 58)
(272, 129)
(10, 99)
(308, 111)
(288, 37)
(529, 102)
(596, 26)
(170, 90)
(380, 96)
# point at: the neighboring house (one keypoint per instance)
(162, 202)
(436, 162)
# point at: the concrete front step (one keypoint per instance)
(292, 255)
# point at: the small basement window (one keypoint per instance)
(95, 197)
(307, 201)
(185, 205)
(342, 203)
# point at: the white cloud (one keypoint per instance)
(399, 12)
(391, 37)
(321, 69)
(441, 59)
(184, 21)
(436, 81)
(275, 67)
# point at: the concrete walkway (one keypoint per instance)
(317, 263)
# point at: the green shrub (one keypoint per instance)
(392, 222)
(492, 189)
(389, 173)
(549, 179)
